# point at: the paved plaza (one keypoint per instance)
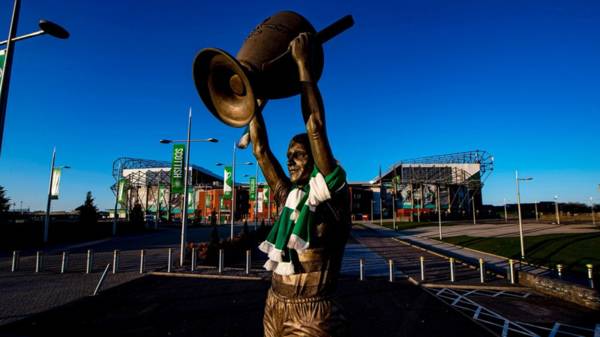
(141, 304)
(501, 229)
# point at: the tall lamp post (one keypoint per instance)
(517, 180)
(186, 179)
(255, 196)
(46, 27)
(233, 187)
(556, 209)
(591, 206)
(49, 203)
(505, 212)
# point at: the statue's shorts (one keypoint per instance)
(306, 317)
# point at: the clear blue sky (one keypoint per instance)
(519, 79)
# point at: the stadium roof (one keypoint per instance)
(482, 158)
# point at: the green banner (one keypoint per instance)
(122, 191)
(207, 200)
(266, 193)
(2, 57)
(177, 168)
(252, 188)
(162, 196)
(221, 202)
(191, 202)
(227, 183)
(55, 183)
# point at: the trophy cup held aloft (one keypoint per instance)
(263, 68)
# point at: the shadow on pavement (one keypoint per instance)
(171, 306)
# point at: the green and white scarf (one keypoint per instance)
(291, 232)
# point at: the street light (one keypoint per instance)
(592, 207)
(505, 212)
(556, 208)
(517, 179)
(186, 181)
(233, 187)
(48, 205)
(46, 27)
(255, 197)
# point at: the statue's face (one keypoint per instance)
(300, 163)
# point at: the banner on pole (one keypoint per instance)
(252, 191)
(207, 200)
(260, 201)
(55, 181)
(122, 191)
(266, 193)
(162, 195)
(2, 57)
(227, 183)
(191, 202)
(177, 168)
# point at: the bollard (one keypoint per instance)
(115, 264)
(220, 261)
(361, 269)
(193, 267)
(248, 261)
(559, 268)
(391, 267)
(89, 261)
(451, 260)
(15, 261)
(511, 271)
(590, 274)
(142, 255)
(481, 271)
(64, 263)
(170, 260)
(39, 261)
(422, 261)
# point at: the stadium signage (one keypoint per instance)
(177, 168)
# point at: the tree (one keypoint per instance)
(88, 212)
(4, 203)
(136, 217)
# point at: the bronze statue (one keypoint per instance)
(306, 244)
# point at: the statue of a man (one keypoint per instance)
(306, 245)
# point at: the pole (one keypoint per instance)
(412, 203)
(232, 191)
(116, 217)
(519, 212)
(47, 219)
(420, 205)
(394, 210)
(256, 199)
(474, 213)
(505, 212)
(439, 211)
(269, 211)
(158, 200)
(537, 218)
(185, 193)
(372, 202)
(557, 213)
(592, 207)
(8, 56)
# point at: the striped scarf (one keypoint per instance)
(291, 232)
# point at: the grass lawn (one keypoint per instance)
(573, 251)
(400, 225)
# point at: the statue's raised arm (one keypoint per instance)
(312, 104)
(271, 168)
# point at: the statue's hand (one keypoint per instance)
(301, 49)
